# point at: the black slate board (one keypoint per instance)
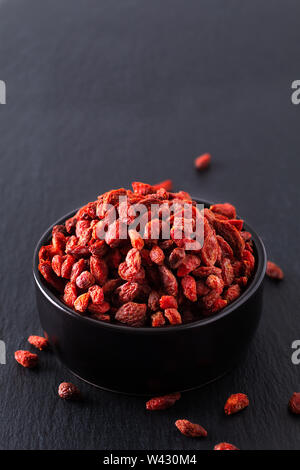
(101, 93)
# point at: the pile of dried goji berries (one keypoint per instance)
(142, 279)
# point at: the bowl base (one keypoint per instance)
(119, 392)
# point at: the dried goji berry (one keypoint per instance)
(166, 184)
(237, 223)
(38, 342)
(188, 284)
(134, 260)
(176, 257)
(99, 269)
(85, 280)
(203, 161)
(142, 188)
(26, 359)
(99, 309)
(157, 255)
(189, 263)
(136, 239)
(190, 429)
(56, 264)
(294, 403)
(162, 403)
(169, 281)
(132, 314)
(274, 271)
(50, 276)
(77, 269)
(226, 209)
(70, 294)
(232, 293)
(225, 446)
(215, 283)
(82, 302)
(68, 391)
(128, 291)
(157, 319)
(97, 294)
(235, 403)
(167, 301)
(153, 300)
(67, 265)
(173, 316)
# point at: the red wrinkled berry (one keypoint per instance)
(38, 342)
(235, 403)
(274, 271)
(157, 255)
(97, 294)
(26, 359)
(132, 314)
(225, 446)
(82, 302)
(85, 280)
(68, 391)
(203, 161)
(189, 287)
(163, 402)
(294, 403)
(157, 319)
(190, 429)
(167, 301)
(173, 316)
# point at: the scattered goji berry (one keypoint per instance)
(38, 342)
(162, 403)
(26, 359)
(68, 391)
(294, 403)
(274, 271)
(190, 429)
(225, 446)
(203, 161)
(235, 403)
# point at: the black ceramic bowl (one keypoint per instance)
(147, 361)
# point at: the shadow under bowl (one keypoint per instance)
(151, 361)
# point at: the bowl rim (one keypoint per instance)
(254, 285)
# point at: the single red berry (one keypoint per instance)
(225, 446)
(235, 403)
(294, 403)
(203, 161)
(68, 391)
(190, 429)
(26, 359)
(163, 402)
(274, 271)
(38, 342)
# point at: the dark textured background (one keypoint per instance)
(100, 93)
